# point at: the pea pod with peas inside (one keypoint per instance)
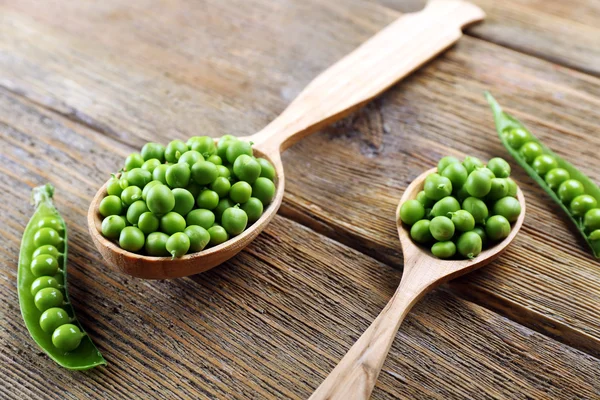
(576, 194)
(42, 287)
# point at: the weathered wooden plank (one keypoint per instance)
(269, 324)
(564, 32)
(204, 76)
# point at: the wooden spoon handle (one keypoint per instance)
(356, 374)
(373, 67)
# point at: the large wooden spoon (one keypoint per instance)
(356, 374)
(373, 67)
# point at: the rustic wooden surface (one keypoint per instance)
(82, 84)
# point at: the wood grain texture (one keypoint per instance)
(268, 324)
(564, 32)
(183, 71)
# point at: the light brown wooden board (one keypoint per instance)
(269, 324)
(231, 68)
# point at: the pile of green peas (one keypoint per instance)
(46, 290)
(463, 207)
(181, 198)
(570, 191)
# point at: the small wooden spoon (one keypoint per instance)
(356, 374)
(373, 67)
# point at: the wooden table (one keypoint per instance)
(82, 84)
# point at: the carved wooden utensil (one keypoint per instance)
(356, 374)
(373, 67)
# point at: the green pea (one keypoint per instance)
(156, 244)
(253, 209)
(445, 162)
(47, 298)
(266, 169)
(543, 164)
(411, 211)
(481, 232)
(184, 201)
(160, 173)
(67, 337)
(264, 190)
(462, 194)
(151, 164)
(138, 177)
(147, 188)
(240, 192)
(437, 187)
(222, 206)
(444, 206)
(570, 189)
(595, 235)
(134, 160)
(204, 145)
(174, 150)
(207, 199)
(131, 194)
(171, 223)
(200, 217)
(234, 220)
(423, 199)
(582, 204)
(511, 187)
(204, 172)
(112, 226)
(246, 168)
(497, 227)
(44, 265)
(221, 186)
(46, 249)
(47, 236)
(215, 159)
(223, 171)
(420, 232)
(52, 318)
(457, 173)
(499, 167)
(498, 190)
(508, 207)
(529, 151)
(110, 205)
(443, 250)
(218, 235)
(469, 244)
(113, 187)
(135, 210)
(476, 208)
(153, 150)
(148, 223)
(556, 176)
(224, 144)
(178, 244)
(441, 228)
(194, 189)
(478, 183)
(131, 238)
(472, 163)
(160, 199)
(238, 148)
(463, 220)
(43, 282)
(487, 171)
(517, 138)
(199, 237)
(190, 158)
(178, 175)
(591, 220)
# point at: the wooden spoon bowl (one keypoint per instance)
(356, 374)
(377, 64)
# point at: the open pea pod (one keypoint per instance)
(504, 124)
(46, 233)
